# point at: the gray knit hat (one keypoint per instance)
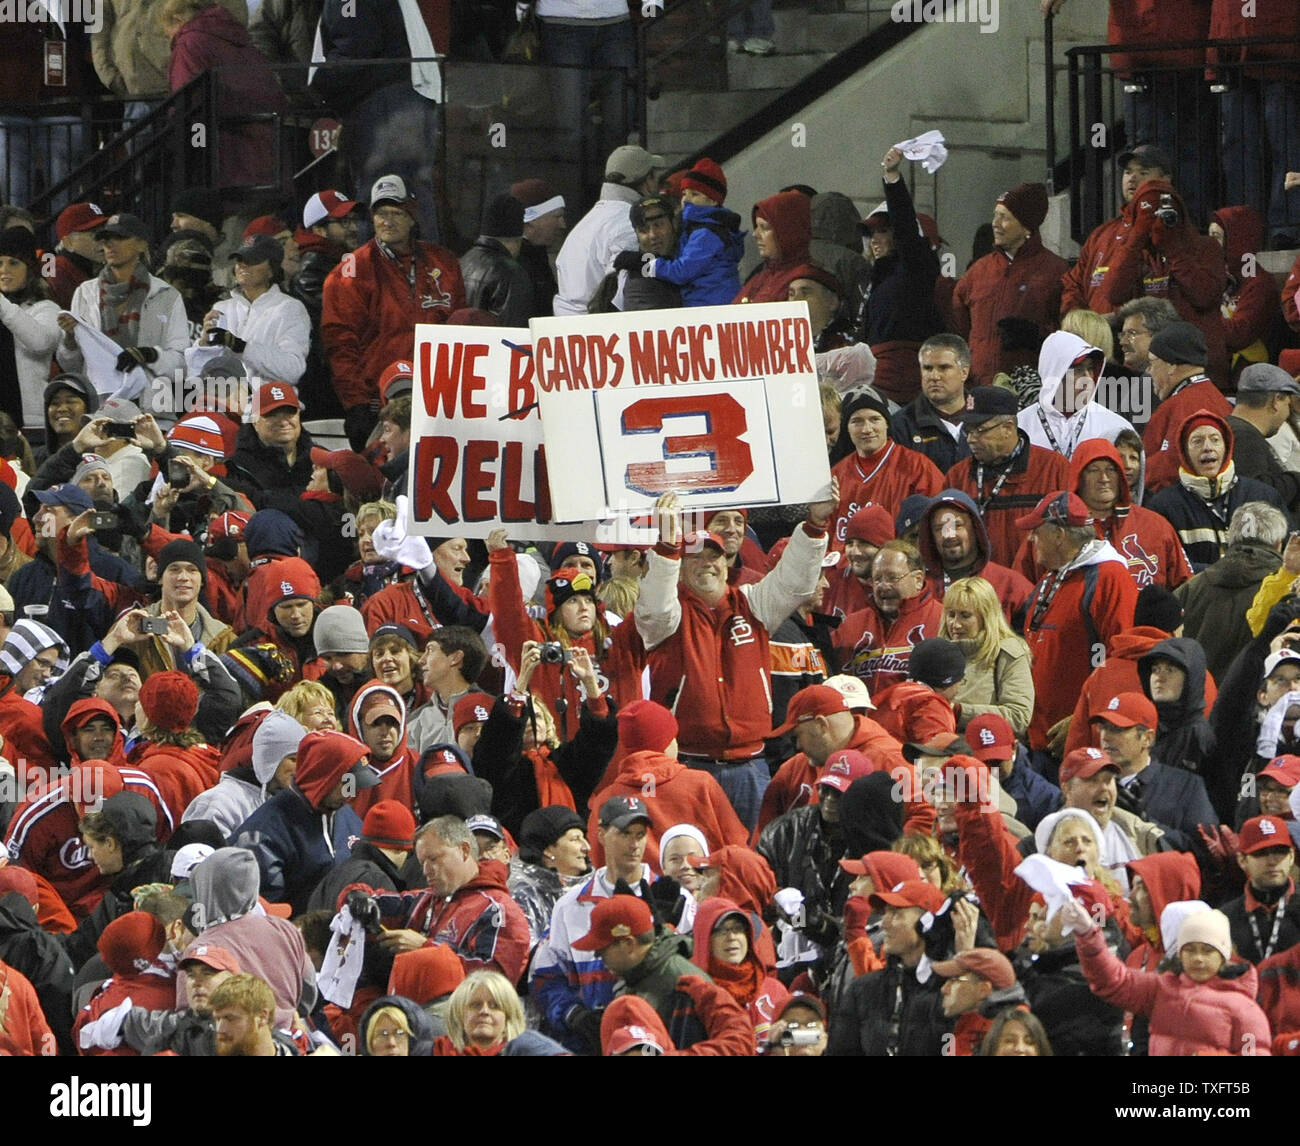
(276, 737)
(340, 629)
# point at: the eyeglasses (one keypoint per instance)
(1129, 335)
(878, 580)
(988, 427)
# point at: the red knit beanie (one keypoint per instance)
(644, 726)
(871, 524)
(425, 974)
(707, 178)
(131, 942)
(389, 824)
(169, 700)
(1028, 203)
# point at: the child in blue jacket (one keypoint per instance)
(710, 245)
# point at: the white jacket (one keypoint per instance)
(587, 255)
(276, 328)
(1093, 420)
(163, 325)
(35, 328)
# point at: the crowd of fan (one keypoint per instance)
(992, 751)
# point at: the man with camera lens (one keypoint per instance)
(1153, 250)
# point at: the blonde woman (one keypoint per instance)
(485, 1018)
(311, 704)
(998, 677)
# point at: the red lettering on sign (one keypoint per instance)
(729, 459)
(641, 353)
(439, 382)
(436, 459)
(472, 382)
(477, 480)
(523, 394)
(702, 364)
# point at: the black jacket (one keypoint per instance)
(919, 426)
(499, 758)
(888, 1013)
(1192, 516)
(803, 855)
(33, 952)
(366, 864)
(1077, 1022)
(1254, 458)
(541, 279)
(1243, 937)
(899, 304)
(1173, 798)
(1185, 739)
(497, 282)
(263, 474)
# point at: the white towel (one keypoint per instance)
(927, 149)
(1052, 879)
(337, 981)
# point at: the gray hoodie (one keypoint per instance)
(225, 898)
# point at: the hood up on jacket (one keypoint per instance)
(82, 712)
(274, 583)
(789, 214)
(134, 821)
(422, 1029)
(959, 499)
(1170, 877)
(1243, 234)
(364, 697)
(744, 877)
(708, 915)
(225, 885)
(1060, 350)
(1098, 449)
(633, 1014)
(1185, 432)
(871, 817)
(834, 218)
(324, 758)
(1189, 708)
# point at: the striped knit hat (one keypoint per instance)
(25, 640)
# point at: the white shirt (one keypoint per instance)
(276, 328)
(587, 255)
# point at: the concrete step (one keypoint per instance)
(750, 73)
(798, 31)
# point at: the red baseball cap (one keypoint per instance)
(230, 524)
(991, 737)
(843, 767)
(1062, 508)
(212, 956)
(78, 217)
(1284, 769)
(1262, 832)
(695, 542)
(910, 893)
(356, 473)
(616, 918)
(629, 1038)
(327, 205)
(273, 396)
(1129, 710)
(811, 702)
(398, 378)
(1084, 763)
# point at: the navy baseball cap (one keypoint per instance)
(66, 494)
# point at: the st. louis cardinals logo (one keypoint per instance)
(435, 297)
(1141, 565)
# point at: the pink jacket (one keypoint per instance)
(1216, 1017)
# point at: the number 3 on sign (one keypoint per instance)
(728, 461)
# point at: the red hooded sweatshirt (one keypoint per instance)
(1160, 438)
(25, 1032)
(1119, 673)
(674, 794)
(750, 983)
(1170, 877)
(1142, 537)
(45, 832)
(913, 712)
(789, 214)
(1067, 620)
(398, 771)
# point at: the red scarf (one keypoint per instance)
(443, 1047)
(551, 788)
(741, 982)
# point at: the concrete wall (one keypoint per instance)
(983, 90)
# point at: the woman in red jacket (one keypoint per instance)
(782, 232)
(1250, 304)
(878, 471)
(725, 948)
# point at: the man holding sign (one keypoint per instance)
(708, 643)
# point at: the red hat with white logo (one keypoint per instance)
(1129, 710)
(625, 1039)
(472, 708)
(327, 205)
(991, 737)
(1284, 770)
(1263, 832)
(398, 378)
(78, 217)
(910, 893)
(842, 768)
(1084, 763)
(274, 396)
(199, 434)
